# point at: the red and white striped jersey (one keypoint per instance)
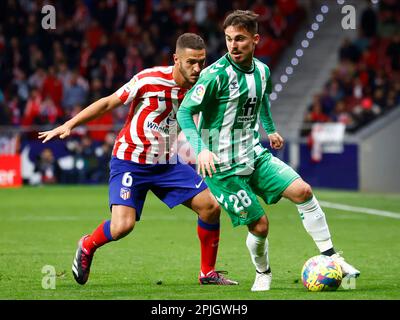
(154, 98)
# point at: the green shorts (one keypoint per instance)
(237, 194)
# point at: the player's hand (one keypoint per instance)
(275, 140)
(205, 163)
(61, 132)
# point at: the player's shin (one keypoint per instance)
(209, 239)
(258, 248)
(314, 222)
(100, 236)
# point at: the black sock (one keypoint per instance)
(329, 252)
(268, 270)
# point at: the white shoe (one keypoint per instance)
(347, 269)
(262, 281)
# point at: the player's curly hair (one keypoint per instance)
(242, 18)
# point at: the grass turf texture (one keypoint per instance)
(160, 258)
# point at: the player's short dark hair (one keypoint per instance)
(190, 41)
(242, 18)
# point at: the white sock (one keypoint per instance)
(314, 222)
(258, 248)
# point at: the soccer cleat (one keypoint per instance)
(216, 277)
(81, 263)
(262, 281)
(347, 269)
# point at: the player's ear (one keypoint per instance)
(176, 59)
(256, 38)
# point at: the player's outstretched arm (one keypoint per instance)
(93, 111)
(61, 132)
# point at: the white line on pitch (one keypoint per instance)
(360, 209)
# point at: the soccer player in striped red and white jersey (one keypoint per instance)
(142, 161)
(154, 96)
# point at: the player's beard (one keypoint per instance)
(187, 76)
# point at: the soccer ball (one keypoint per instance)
(321, 273)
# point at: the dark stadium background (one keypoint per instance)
(48, 75)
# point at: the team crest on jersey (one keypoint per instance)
(132, 82)
(125, 193)
(198, 93)
(243, 215)
(234, 85)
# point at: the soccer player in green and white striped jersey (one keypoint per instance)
(231, 97)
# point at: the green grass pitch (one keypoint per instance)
(160, 258)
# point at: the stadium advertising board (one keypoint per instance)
(10, 171)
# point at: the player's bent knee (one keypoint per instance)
(305, 193)
(210, 213)
(300, 192)
(215, 211)
(260, 227)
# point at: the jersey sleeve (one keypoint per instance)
(195, 101)
(186, 122)
(269, 86)
(265, 115)
(128, 91)
(201, 94)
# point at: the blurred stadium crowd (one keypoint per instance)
(366, 82)
(48, 76)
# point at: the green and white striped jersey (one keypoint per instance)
(231, 101)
